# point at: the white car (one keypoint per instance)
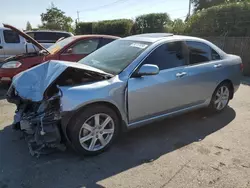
(48, 37)
(12, 44)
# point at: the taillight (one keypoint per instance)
(241, 67)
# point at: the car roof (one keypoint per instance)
(149, 37)
(95, 36)
(154, 37)
(48, 31)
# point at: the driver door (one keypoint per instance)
(150, 96)
(79, 50)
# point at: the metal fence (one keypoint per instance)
(235, 45)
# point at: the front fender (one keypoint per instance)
(110, 91)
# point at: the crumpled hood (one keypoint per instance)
(32, 83)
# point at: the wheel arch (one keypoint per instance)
(92, 104)
(230, 83)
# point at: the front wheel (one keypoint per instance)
(220, 98)
(94, 130)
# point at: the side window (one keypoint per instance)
(85, 46)
(11, 36)
(198, 52)
(60, 35)
(215, 55)
(167, 56)
(105, 41)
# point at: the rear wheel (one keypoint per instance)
(220, 97)
(94, 130)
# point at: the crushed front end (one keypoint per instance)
(39, 121)
(37, 95)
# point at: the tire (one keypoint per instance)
(95, 138)
(220, 102)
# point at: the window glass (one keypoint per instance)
(85, 46)
(105, 41)
(198, 52)
(168, 56)
(60, 45)
(47, 37)
(11, 36)
(215, 55)
(115, 56)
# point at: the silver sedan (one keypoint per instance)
(128, 83)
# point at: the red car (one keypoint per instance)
(69, 49)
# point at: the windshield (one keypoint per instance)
(59, 45)
(115, 56)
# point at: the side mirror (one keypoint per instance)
(148, 69)
(69, 51)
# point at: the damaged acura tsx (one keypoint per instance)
(125, 84)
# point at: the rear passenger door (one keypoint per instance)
(80, 49)
(204, 71)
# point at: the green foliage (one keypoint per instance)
(150, 23)
(231, 19)
(55, 19)
(178, 26)
(84, 28)
(121, 27)
(204, 4)
(28, 26)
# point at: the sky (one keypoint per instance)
(18, 12)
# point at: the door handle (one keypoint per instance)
(181, 74)
(1, 47)
(217, 65)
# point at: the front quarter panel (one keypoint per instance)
(111, 91)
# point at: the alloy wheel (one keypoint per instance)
(221, 98)
(96, 132)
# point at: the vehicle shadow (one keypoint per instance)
(245, 80)
(137, 147)
(3, 90)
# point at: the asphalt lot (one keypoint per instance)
(192, 150)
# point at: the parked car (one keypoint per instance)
(11, 43)
(70, 49)
(47, 38)
(128, 83)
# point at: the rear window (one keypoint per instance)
(48, 37)
(11, 36)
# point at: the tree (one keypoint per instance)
(28, 26)
(55, 19)
(203, 4)
(178, 26)
(155, 22)
(224, 20)
(119, 27)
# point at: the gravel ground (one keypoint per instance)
(193, 150)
